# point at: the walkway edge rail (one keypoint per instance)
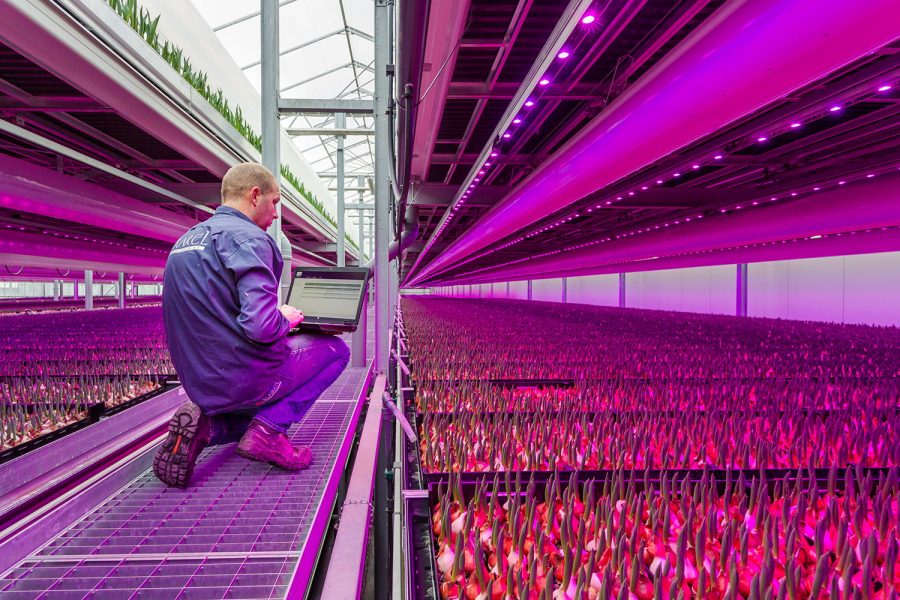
(348, 555)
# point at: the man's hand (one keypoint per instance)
(294, 316)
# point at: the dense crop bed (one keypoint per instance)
(613, 394)
(54, 366)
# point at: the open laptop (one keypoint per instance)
(331, 298)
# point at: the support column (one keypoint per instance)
(121, 290)
(89, 290)
(358, 339)
(565, 290)
(382, 192)
(529, 289)
(271, 128)
(360, 182)
(56, 290)
(394, 297)
(741, 290)
(621, 290)
(380, 523)
(340, 122)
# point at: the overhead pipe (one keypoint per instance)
(17, 272)
(410, 61)
(446, 25)
(747, 55)
(413, 23)
(407, 237)
(51, 252)
(29, 188)
(871, 204)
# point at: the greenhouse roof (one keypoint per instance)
(326, 52)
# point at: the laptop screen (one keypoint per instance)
(330, 294)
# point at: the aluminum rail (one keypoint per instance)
(349, 552)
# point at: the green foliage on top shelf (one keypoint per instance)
(140, 19)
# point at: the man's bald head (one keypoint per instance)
(253, 190)
(243, 177)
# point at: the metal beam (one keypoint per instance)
(741, 291)
(352, 64)
(271, 125)
(246, 17)
(309, 106)
(348, 174)
(298, 47)
(340, 122)
(343, 132)
(382, 188)
(88, 290)
(477, 90)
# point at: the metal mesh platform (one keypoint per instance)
(238, 531)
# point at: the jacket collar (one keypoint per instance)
(227, 210)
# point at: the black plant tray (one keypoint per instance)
(643, 477)
(158, 376)
(95, 411)
(164, 387)
(561, 382)
(883, 412)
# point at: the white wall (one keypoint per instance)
(518, 290)
(547, 290)
(599, 290)
(862, 288)
(701, 289)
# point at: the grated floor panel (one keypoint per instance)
(236, 532)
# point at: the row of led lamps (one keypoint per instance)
(589, 22)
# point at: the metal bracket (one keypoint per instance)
(401, 418)
(400, 362)
(408, 494)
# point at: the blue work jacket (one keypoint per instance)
(220, 306)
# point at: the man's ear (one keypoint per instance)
(255, 193)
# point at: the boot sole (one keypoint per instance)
(174, 461)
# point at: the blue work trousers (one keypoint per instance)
(315, 362)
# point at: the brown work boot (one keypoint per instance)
(264, 444)
(189, 432)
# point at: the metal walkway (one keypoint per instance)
(241, 530)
